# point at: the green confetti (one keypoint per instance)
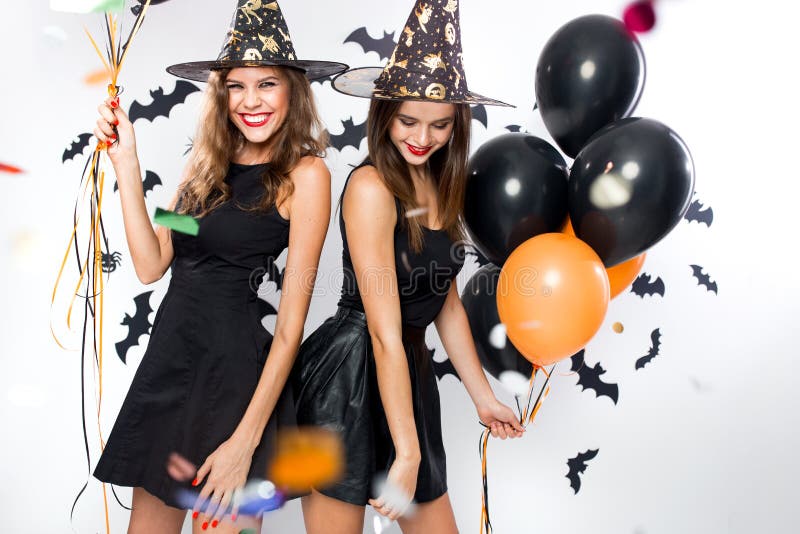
(175, 221)
(87, 6)
(248, 531)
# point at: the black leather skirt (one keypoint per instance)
(336, 387)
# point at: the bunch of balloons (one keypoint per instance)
(565, 240)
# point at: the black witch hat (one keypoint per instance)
(258, 37)
(426, 63)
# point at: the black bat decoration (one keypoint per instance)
(75, 148)
(589, 378)
(384, 46)
(644, 285)
(444, 368)
(655, 348)
(322, 81)
(151, 180)
(352, 136)
(138, 325)
(577, 466)
(703, 279)
(514, 128)
(265, 308)
(162, 104)
(479, 114)
(699, 213)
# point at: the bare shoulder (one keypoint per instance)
(310, 171)
(367, 190)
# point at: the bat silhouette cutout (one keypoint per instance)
(352, 135)
(138, 325)
(443, 368)
(645, 285)
(75, 148)
(514, 128)
(655, 348)
(589, 378)
(480, 258)
(265, 309)
(577, 466)
(151, 180)
(699, 213)
(383, 46)
(703, 279)
(479, 114)
(162, 104)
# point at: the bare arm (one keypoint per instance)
(150, 248)
(452, 325)
(370, 217)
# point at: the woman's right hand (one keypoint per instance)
(122, 142)
(398, 493)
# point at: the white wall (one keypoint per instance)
(702, 439)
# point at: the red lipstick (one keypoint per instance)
(417, 151)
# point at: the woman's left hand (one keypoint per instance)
(500, 419)
(227, 469)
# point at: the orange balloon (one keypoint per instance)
(307, 458)
(621, 275)
(552, 297)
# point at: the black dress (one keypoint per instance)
(207, 348)
(335, 379)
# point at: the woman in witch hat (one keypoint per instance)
(210, 388)
(366, 372)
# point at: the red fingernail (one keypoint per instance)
(194, 515)
(233, 517)
(195, 482)
(113, 136)
(114, 104)
(116, 122)
(214, 524)
(205, 525)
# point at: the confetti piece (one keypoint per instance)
(497, 337)
(10, 169)
(640, 17)
(175, 221)
(97, 77)
(515, 382)
(416, 212)
(618, 328)
(307, 458)
(86, 6)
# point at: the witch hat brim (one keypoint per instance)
(200, 70)
(360, 82)
(258, 37)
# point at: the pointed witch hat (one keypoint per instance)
(258, 37)
(426, 63)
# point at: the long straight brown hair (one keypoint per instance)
(217, 140)
(448, 168)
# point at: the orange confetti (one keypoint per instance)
(10, 169)
(618, 328)
(307, 458)
(97, 77)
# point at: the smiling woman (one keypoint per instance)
(210, 388)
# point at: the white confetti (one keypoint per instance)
(497, 337)
(515, 382)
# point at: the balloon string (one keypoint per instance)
(486, 524)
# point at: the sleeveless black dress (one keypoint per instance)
(335, 379)
(207, 348)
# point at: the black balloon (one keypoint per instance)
(480, 302)
(516, 189)
(629, 187)
(590, 73)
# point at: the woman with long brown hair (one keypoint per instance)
(209, 391)
(366, 372)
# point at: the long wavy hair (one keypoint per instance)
(217, 140)
(448, 168)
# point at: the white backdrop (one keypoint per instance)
(701, 439)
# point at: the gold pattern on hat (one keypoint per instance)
(424, 15)
(234, 37)
(434, 61)
(269, 44)
(251, 54)
(404, 92)
(436, 91)
(273, 6)
(409, 36)
(286, 38)
(451, 6)
(450, 33)
(249, 9)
